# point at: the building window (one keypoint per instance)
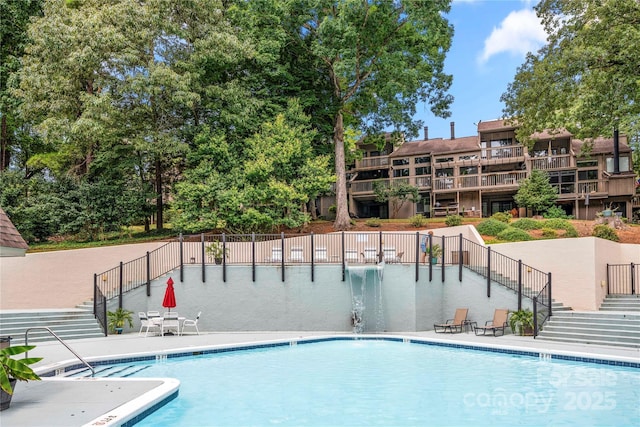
(444, 172)
(400, 162)
(468, 157)
(424, 159)
(587, 163)
(400, 172)
(588, 175)
(624, 164)
(470, 170)
(444, 159)
(563, 181)
(423, 170)
(422, 206)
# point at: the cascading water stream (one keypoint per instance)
(367, 313)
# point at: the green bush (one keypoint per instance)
(453, 220)
(511, 234)
(561, 224)
(418, 220)
(549, 233)
(556, 212)
(373, 222)
(526, 224)
(502, 217)
(491, 227)
(605, 232)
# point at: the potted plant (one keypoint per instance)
(436, 252)
(215, 250)
(521, 322)
(118, 318)
(13, 370)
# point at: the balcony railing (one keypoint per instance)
(595, 186)
(366, 186)
(551, 162)
(501, 153)
(373, 162)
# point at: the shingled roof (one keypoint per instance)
(11, 242)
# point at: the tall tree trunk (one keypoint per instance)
(4, 144)
(343, 221)
(159, 204)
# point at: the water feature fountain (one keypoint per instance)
(367, 313)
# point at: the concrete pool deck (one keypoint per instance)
(79, 402)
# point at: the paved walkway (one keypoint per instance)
(79, 402)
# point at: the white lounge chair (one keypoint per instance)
(370, 255)
(351, 255)
(321, 255)
(276, 254)
(191, 322)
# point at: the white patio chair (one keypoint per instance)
(321, 255)
(297, 255)
(170, 322)
(146, 324)
(276, 254)
(351, 255)
(151, 314)
(191, 322)
(370, 255)
(389, 255)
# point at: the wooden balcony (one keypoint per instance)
(373, 162)
(494, 181)
(506, 154)
(365, 187)
(596, 189)
(563, 161)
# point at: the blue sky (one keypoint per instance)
(491, 39)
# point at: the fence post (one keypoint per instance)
(519, 284)
(549, 295)
(224, 257)
(95, 294)
(253, 256)
(418, 255)
(430, 257)
(282, 253)
(204, 279)
(608, 279)
(488, 271)
(148, 274)
(312, 258)
(120, 286)
(342, 257)
(181, 259)
(380, 253)
(460, 261)
(104, 314)
(535, 316)
(633, 279)
(443, 257)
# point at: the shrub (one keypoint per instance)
(526, 224)
(491, 227)
(556, 212)
(511, 234)
(502, 217)
(418, 220)
(453, 220)
(373, 222)
(549, 233)
(605, 232)
(333, 209)
(561, 224)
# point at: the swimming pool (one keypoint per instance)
(367, 382)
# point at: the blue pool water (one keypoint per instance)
(368, 383)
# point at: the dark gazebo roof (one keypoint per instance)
(10, 238)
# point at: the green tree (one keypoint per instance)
(586, 78)
(396, 194)
(536, 192)
(379, 58)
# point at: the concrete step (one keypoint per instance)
(593, 328)
(66, 323)
(119, 371)
(582, 340)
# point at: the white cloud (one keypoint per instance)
(520, 32)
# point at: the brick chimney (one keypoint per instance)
(453, 130)
(426, 133)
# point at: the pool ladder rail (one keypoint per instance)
(26, 342)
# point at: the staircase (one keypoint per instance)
(617, 324)
(68, 324)
(621, 303)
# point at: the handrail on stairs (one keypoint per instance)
(26, 342)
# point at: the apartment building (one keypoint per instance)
(479, 175)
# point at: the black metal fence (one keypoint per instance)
(312, 250)
(622, 279)
(542, 307)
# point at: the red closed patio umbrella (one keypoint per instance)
(169, 300)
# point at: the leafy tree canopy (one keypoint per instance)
(586, 78)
